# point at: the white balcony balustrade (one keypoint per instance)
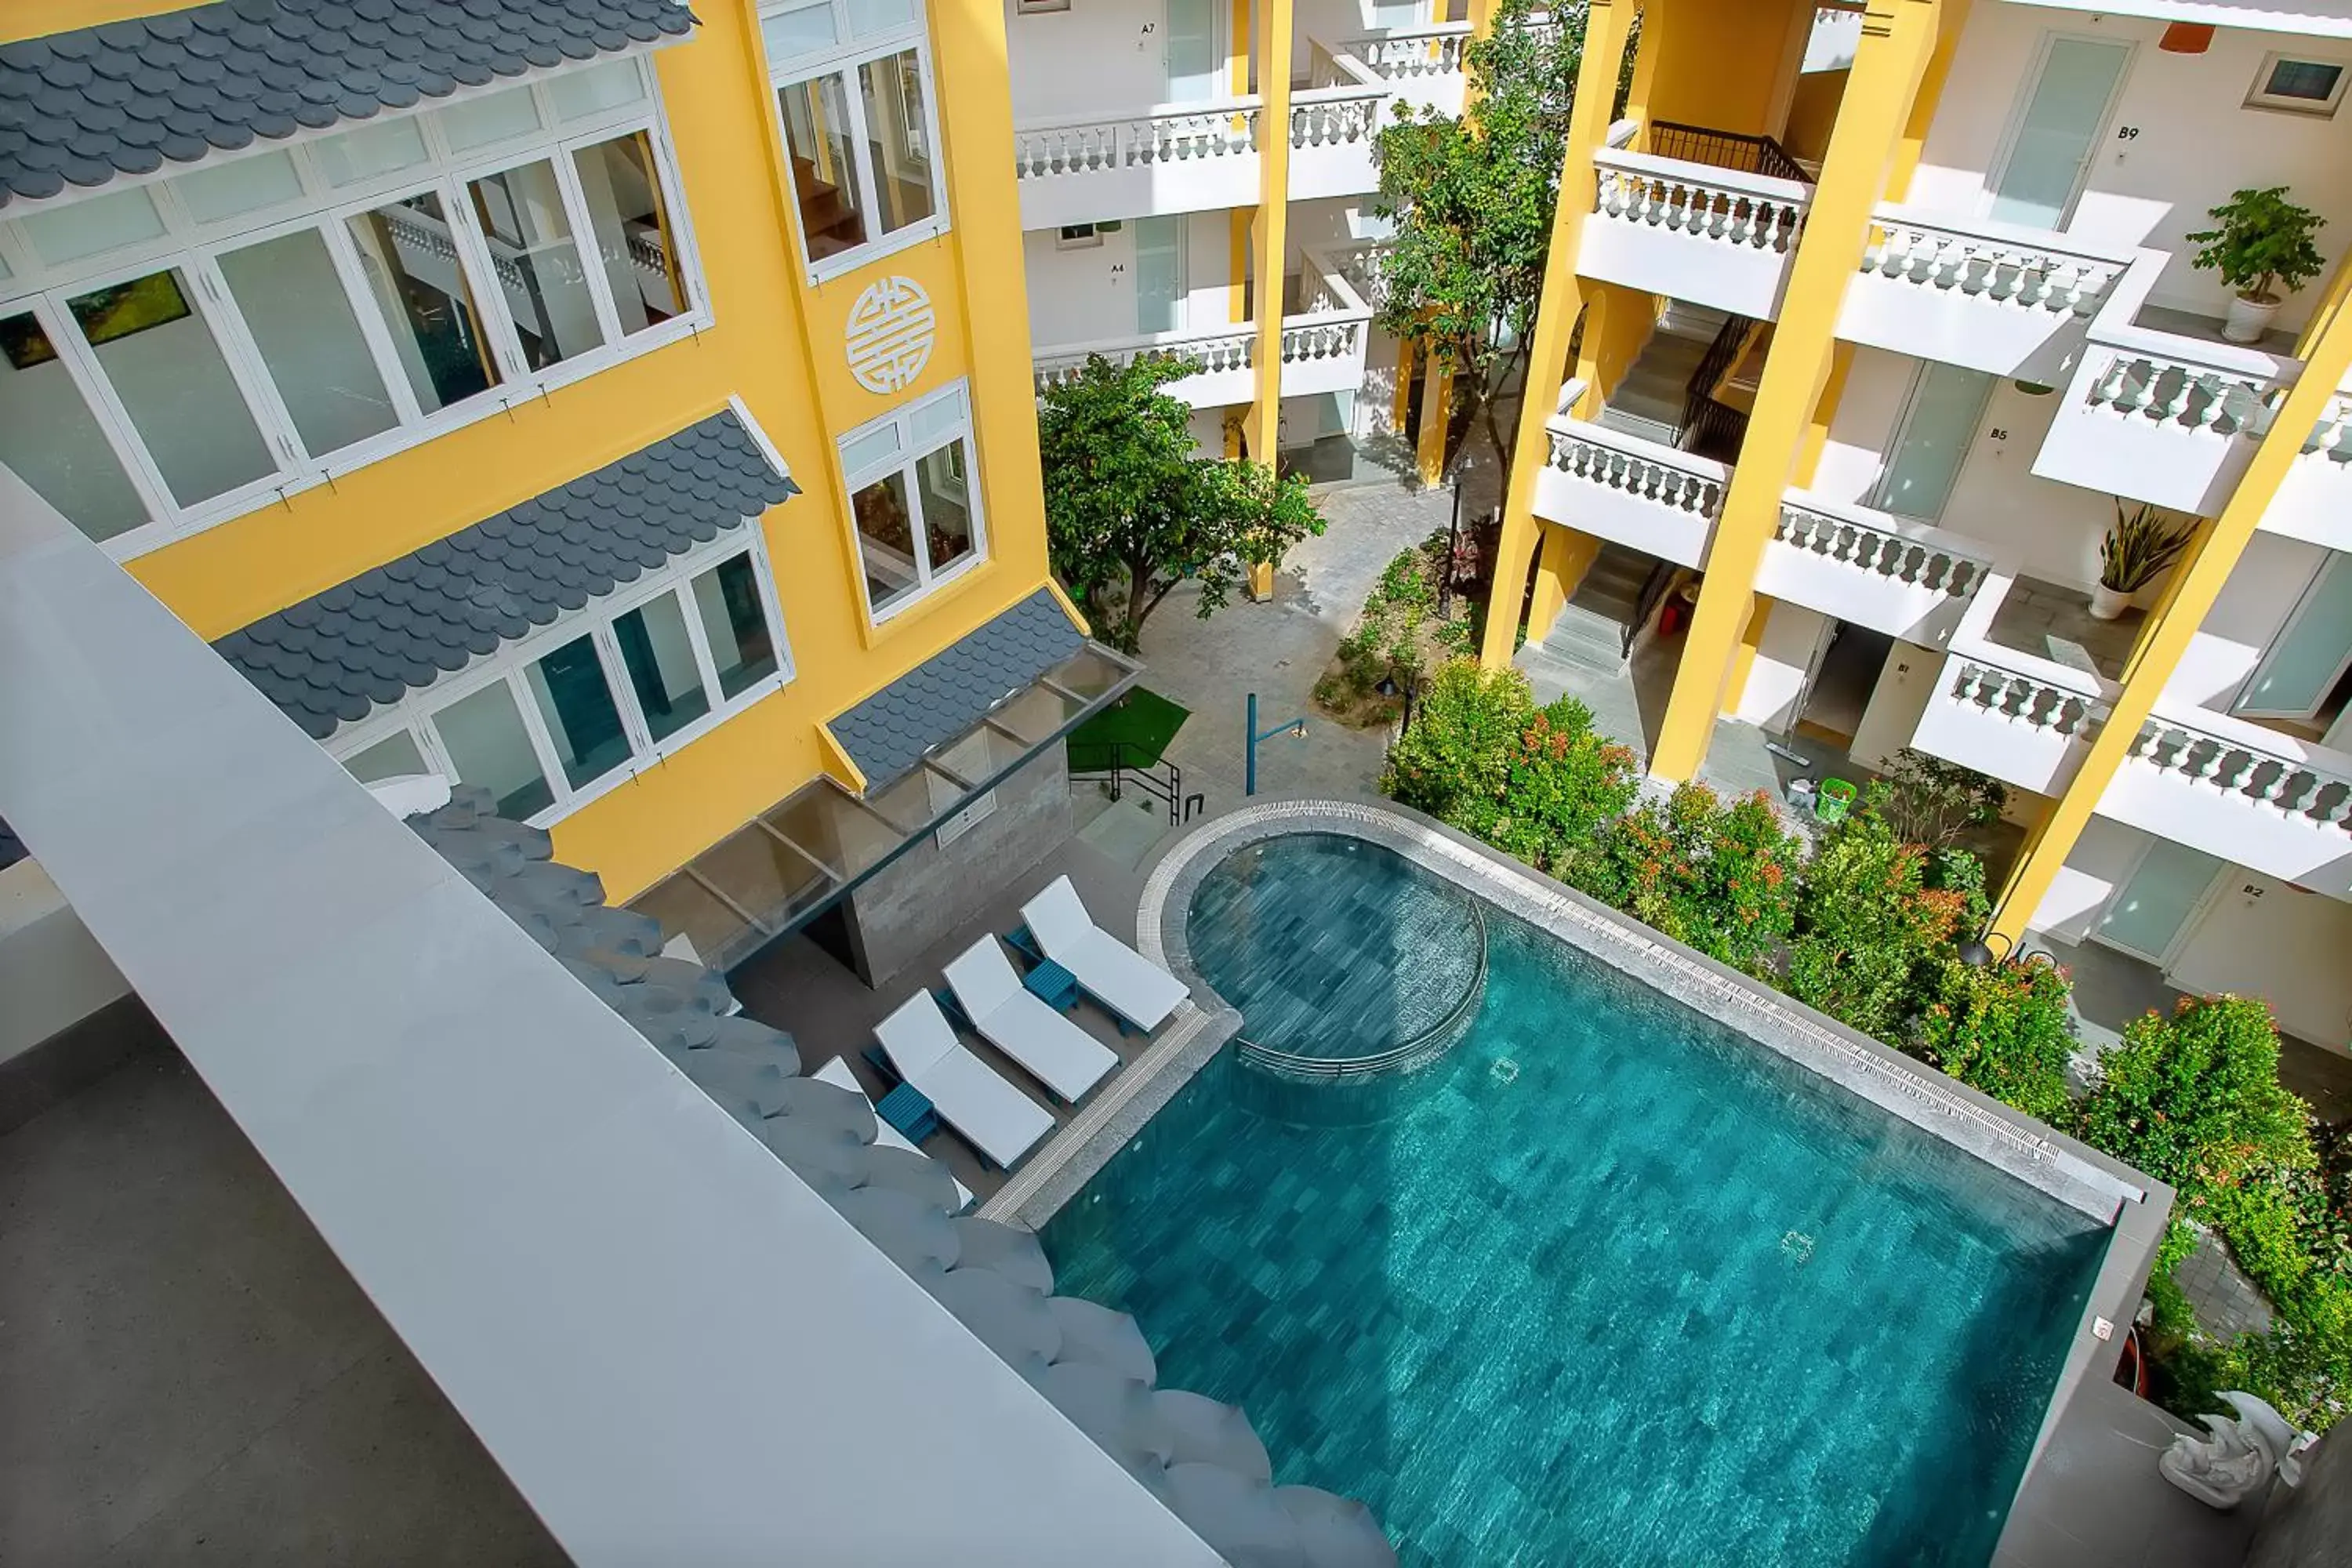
(1697, 225)
(1421, 65)
(2242, 793)
(1889, 574)
(1175, 158)
(1332, 124)
(2024, 720)
(1994, 297)
(1322, 348)
(2315, 501)
(2160, 416)
(1638, 493)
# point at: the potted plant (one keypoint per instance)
(2134, 553)
(2262, 249)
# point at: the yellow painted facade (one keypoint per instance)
(775, 342)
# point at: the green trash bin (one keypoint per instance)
(1835, 799)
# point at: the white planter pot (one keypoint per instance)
(2107, 603)
(2248, 321)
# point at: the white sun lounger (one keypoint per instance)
(1113, 973)
(836, 1073)
(1057, 1052)
(990, 1114)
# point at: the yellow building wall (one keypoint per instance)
(1718, 61)
(776, 341)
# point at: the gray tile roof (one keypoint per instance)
(954, 688)
(126, 97)
(331, 659)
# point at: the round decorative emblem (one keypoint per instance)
(892, 329)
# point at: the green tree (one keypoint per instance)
(2003, 1029)
(2194, 1100)
(1472, 197)
(1871, 923)
(1455, 762)
(1717, 876)
(1132, 510)
(1568, 781)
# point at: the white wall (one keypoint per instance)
(1776, 681)
(2196, 142)
(1099, 54)
(1905, 681)
(2254, 604)
(2263, 938)
(1086, 294)
(2045, 529)
(2103, 856)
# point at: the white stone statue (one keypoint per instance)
(2238, 1460)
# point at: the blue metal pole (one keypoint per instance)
(1249, 762)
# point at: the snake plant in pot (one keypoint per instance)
(2263, 250)
(2134, 553)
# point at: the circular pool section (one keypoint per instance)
(1344, 960)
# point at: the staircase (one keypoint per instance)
(1649, 402)
(1589, 633)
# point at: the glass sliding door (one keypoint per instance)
(300, 318)
(1158, 274)
(2058, 132)
(2162, 892)
(1948, 404)
(167, 371)
(1194, 69)
(2310, 653)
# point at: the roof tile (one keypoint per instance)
(348, 59)
(405, 624)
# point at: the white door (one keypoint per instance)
(2059, 130)
(2148, 915)
(1158, 274)
(1948, 404)
(1904, 684)
(1189, 48)
(2309, 655)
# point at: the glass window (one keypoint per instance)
(947, 505)
(885, 541)
(244, 185)
(868, 17)
(487, 744)
(173, 380)
(536, 263)
(576, 700)
(898, 147)
(87, 228)
(494, 117)
(410, 262)
(396, 756)
(735, 624)
(351, 156)
(628, 218)
(919, 519)
(50, 438)
(824, 178)
(2309, 82)
(294, 305)
(804, 29)
(659, 656)
(576, 95)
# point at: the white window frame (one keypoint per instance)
(902, 462)
(841, 61)
(194, 248)
(2259, 96)
(412, 713)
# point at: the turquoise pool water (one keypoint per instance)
(1608, 1285)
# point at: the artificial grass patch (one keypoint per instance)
(1142, 723)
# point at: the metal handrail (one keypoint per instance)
(1396, 1058)
(1700, 408)
(1723, 150)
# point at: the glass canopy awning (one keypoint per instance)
(801, 856)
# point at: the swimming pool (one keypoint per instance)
(1608, 1283)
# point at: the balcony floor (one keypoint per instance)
(191, 1375)
(2055, 622)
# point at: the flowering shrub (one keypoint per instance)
(2002, 1029)
(2194, 1100)
(1872, 924)
(1717, 877)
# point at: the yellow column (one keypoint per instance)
(1898, 36)
(1607, 23)
(2194, 586)
(1566, 555)
(1271, 234)
(1436, 414)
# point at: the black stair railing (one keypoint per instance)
(1712, 428)
(1653, 590)
(1121, 764)
(1723, 150)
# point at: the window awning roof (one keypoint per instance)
(329, 659)
(80, 108)
(785, 866)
